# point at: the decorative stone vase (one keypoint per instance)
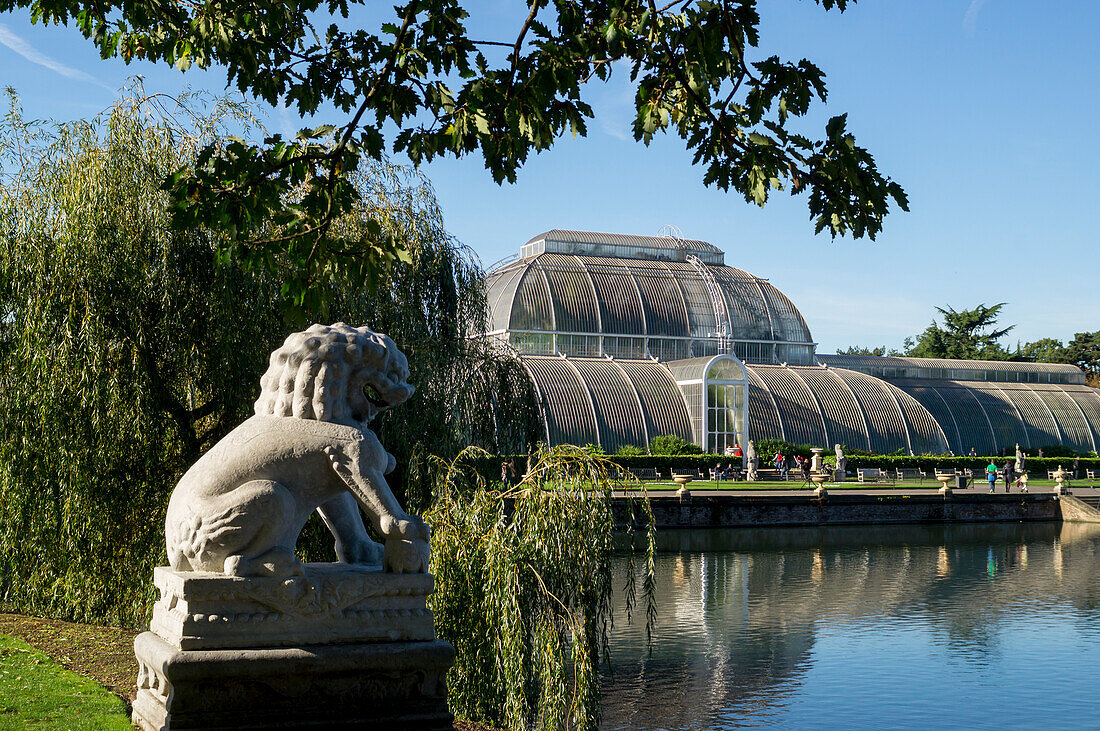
(944, 480)
(682, 479)
(1060, 482)
(815, 461)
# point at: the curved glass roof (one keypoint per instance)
(827, 406)
(617, 296)
(960, 370)
(995, 416)
(617, 402)
(606, 402)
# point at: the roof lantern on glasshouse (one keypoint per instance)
(628, 337)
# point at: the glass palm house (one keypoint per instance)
(629, 337)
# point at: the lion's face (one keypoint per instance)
(334, 373)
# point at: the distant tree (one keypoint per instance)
(1084, 352)
(966, 334)
(1044, 350)
(861, 350)
(418, 82)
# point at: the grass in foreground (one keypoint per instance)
(36, 692)
(105, 654)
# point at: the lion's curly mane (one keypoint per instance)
(334, 373)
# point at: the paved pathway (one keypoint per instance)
(1081, 490)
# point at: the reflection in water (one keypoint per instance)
(976, 626)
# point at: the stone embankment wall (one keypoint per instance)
(716, 511)
(1077, 511)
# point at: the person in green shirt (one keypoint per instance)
(991, 474)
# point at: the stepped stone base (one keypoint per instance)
(330, 603)
(340, 647)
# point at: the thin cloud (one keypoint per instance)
(970, 20)
(24, 49)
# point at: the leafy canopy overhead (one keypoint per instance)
(420, 85)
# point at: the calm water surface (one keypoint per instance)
(868, 627)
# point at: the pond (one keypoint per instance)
(906, 627)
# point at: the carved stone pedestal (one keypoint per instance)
(340, 647)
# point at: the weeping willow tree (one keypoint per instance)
(523, 577)
(128, 348)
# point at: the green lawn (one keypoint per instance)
(36, 692)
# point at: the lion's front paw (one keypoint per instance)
(364, 551)
(409, 527)
(404, 556)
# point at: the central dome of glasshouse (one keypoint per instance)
(625, 338)
(595, 294)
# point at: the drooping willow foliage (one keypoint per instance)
(524, 588)
(127, 348)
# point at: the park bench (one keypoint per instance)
(687, 472)
(873, 474)
(616, 474)
(644, 473)
(1092, 474)
(735, 474)
(910, 473)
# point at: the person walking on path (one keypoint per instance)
(779, 462)
(991, 474)
(1076, 466)
(1010, 475)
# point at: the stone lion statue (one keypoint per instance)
(241, 506)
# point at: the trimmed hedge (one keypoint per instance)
(489, 467)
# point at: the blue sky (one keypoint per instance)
(984, 110)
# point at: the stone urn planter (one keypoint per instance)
(944, 480)
(1060, 482)
(682, 480)
(819, 482)
(815, 461)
